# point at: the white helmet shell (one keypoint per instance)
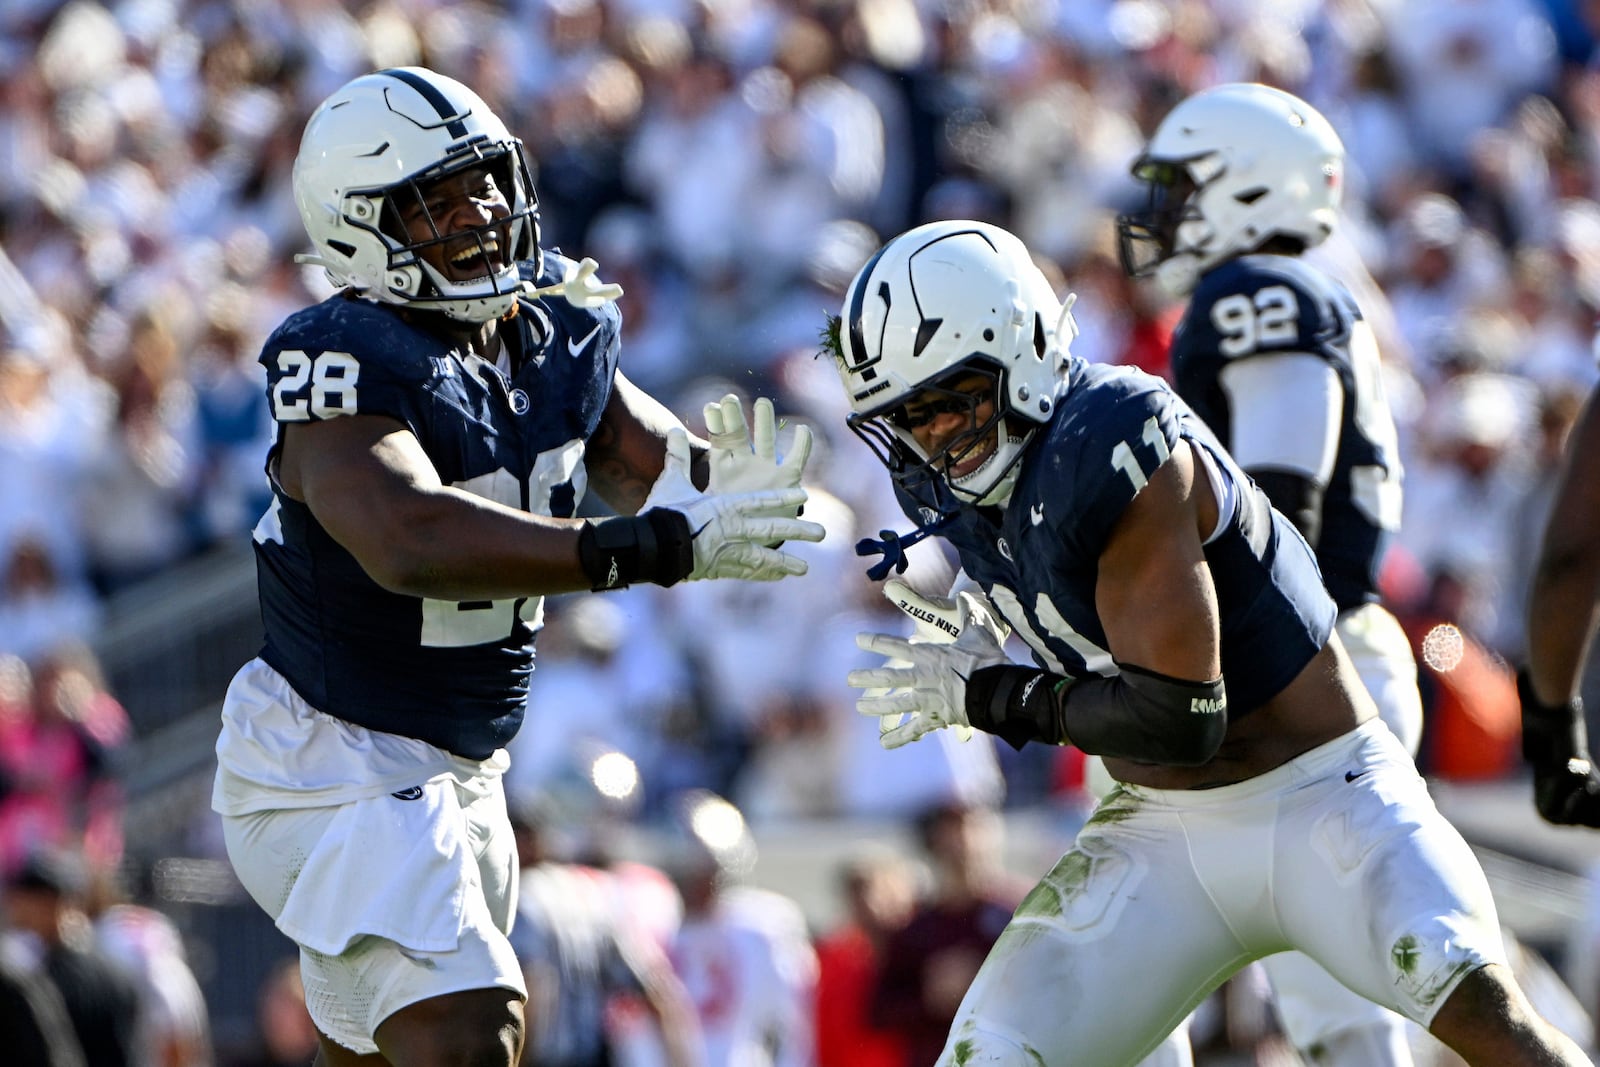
(944, 298)
(383, 132)
(1263, 164)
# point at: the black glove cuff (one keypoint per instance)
(1016, 704)
(654, 547)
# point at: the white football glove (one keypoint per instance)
(930, 691)
(731, 531)
(579, 286)
(741, 462)
(937, 620)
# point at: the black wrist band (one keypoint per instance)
(654, 547)
(1016, 704)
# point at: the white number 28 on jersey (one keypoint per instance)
(314, 387)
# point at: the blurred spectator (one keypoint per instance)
(285, 1035)
(51, 418)
(601, 654)
(1473, 468)
(744, 954)
(59, 730)
(82, 734)
(39, 608)
(1442, 267)
(141, 483)
(931, 960)
(46, 925)
(879, 891)
(174, 1027)
(579, 950)
(1463, 65)
(37, 1029)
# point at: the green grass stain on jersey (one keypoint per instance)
(1118, 806)
(1065, 881)
(1406, 953)
(965, 1049)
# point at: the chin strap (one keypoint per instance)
(892, 547)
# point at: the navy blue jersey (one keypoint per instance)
(452, 674)
(1112, 430)
(1265, 305)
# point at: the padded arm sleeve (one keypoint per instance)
(1137, 715)
(1285, 413)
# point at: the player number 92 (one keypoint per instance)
(314, 387)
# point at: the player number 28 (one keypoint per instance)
(331, 377)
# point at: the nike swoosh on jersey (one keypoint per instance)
(576, 347)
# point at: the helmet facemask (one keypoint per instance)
(489, 251)
(1169, 239)
(964, 390)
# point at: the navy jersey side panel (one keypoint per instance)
(453, 674)
(1114, 428)
(1266, 305)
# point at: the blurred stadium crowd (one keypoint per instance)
(732, 163)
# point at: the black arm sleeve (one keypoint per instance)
(1138, 714)
(1298, 497)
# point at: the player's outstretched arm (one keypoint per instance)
(1562, 610)
(369, 483)
(1561, 622)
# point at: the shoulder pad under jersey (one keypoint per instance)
(347, 356)
(1260, 305)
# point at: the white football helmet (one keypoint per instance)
(936, 304)
(1229, 169)
(368, 148)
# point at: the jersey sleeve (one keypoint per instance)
(1121, 447)
(347, 358)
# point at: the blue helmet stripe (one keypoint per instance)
(858, 300)
(430, 92)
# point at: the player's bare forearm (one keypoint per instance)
(1154, 594)
(625, 454)
(369, 484)
(1562, 610)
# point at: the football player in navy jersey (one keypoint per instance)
(1562, 611)
(1279, 361)
(1100, 519)
(439, 420)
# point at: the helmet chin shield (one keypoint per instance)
(991, 484)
